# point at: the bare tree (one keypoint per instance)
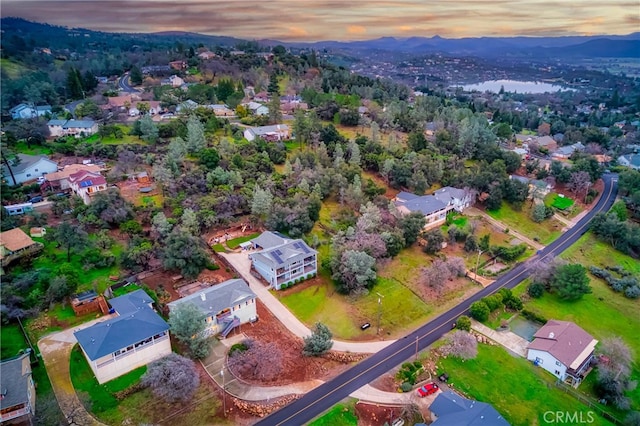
(579, 183)
(442, 271)
(173, 378)
(261, 361)
(461, 344)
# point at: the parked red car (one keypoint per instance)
(428, 389)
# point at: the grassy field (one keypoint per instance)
(519, 220)
(111, 140)
(11, 341)
(603, 313)
(235, 243)
(12, 69)
(23, 148)
(519, 391)
(338, 415)
(561, 203)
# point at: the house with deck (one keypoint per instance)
(281, 260)
(564, 350)
(16, 244)
(225, 306)
(18, 397)
(60, 180)
(459, 199)
(136, 336)
(86, 184)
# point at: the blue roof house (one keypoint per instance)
(135, 337)
(450, 409)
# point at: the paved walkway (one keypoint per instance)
(56, 352)
(563, 220)
(508, 339)
(472, 211)
(242, 264)
(484, 282)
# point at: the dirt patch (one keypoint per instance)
(386, 382)
(296, 367)
(376, 415)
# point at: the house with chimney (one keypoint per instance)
(224, 306)
(564, 350)
(18, 392)
(134, 337)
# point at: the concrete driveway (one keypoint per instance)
(56, 353)
(242, 264)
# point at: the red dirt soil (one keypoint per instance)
(296, 367)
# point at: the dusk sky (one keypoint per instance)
(313, 20)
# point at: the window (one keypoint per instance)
(539, 361)
(28, 174)
(558, 363)
(36, 170)
(557, 373)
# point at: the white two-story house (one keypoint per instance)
(225, 306)
(282, 260)
(24, 168)
(563, 349)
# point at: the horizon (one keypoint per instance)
(292, 21)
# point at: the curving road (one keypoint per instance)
(323, 397)
(124, 83)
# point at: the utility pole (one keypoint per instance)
(380, 297)
(478, 262)
(224, 394)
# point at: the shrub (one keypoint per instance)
(319, 342)
(406, 387)
(410, 371)
(632, 292)
(463, 323)
(172, 378)
(514, 303)
(479, 311)
(493, 302)
(533, 316)
(238, 348)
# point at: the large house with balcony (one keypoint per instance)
(282, 260)
(225, 306)
(18, 398)
(563, 349)
(135, 337)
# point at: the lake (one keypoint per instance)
(513, 86)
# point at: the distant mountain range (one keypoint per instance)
(575, 46)
(627, 46)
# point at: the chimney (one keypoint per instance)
(203, 297)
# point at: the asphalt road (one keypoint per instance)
(325, 396)
(123, 84)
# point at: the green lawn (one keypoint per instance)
(519, 220)
(110, 140)
(34, 149)
(12, 69)
(11, 341)
(338, 415)
(518, 390)
(562, 203)
(235, 243)
(140, 407)
(603, 313)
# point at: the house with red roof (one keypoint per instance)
(86, 184)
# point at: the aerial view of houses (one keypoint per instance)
(214, 227)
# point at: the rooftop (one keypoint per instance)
(425, 204)
(290, 251)
(454, 410)
(25, 161)
(218, 297)
(15, 374)
(15, 239)
(567, 342)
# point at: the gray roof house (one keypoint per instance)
(225, 305)
(460, 199)
(136, 336)
(451, 409)
(563, 349)
(29, 111)
(28, 167)
(630, 160)
(283, 261)
(434, 210)
(18, 399)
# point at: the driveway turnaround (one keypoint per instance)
(507, 339)
(241, 263)
(56, 353)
